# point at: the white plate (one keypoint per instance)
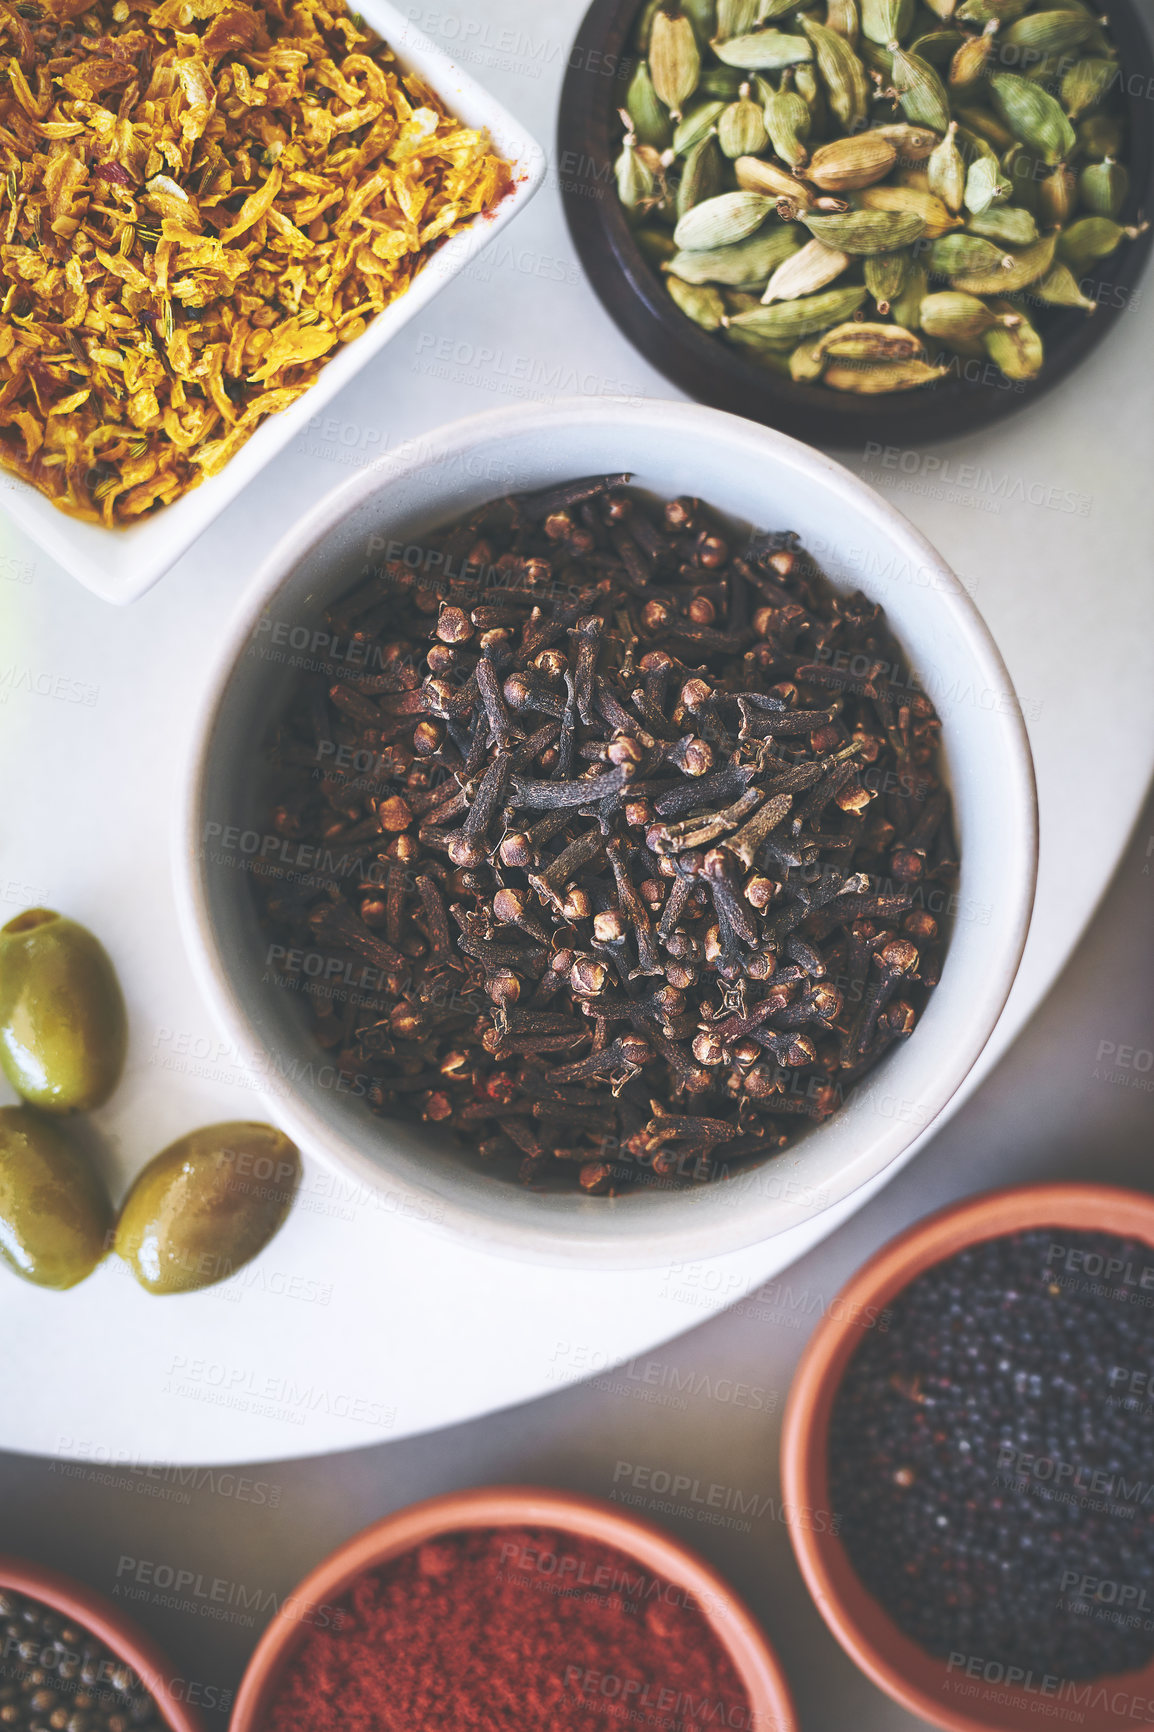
(120, 564)
(1049, 519)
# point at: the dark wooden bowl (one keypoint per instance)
(588, 142)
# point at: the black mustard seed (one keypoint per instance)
(991, 1455)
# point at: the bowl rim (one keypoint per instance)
(120, 565)
(498, 1506)
(630, 289)
(829, 1576)
(119, 1632)
(551, 1239)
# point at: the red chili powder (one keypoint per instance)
(504, 1629)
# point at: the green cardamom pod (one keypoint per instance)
(877, 62)
(1007, 224)
(734, 18)
(938, 46)
(1059, 288)
(763, 51)
(985, 11)
(1033, 116)
(776, 360)
(651, 123)
(747, 265)
(972, 145)
(880, 378)
(955, 255)
(720, 81)
(809, 88)
(914, 144)
(806, 364)
(1102, 187)
(921, 91)
(656, 244)
(946, 170)
(703, 175)
(885, 21)
(886, 275)
(643, 24)
(936, 216)
(1057, 197)
(860, 232)
(984, 126)
(699, 302)
(788, 122)
(636, 181)
(741, 127)
(674, 60)
(986, 185)
(1015, 346)
(719, 222)
(702, 15)
(848, 164)
(1000, 173)
(1046, 71)
(972, 58)
(906, 308)
(1024, 172)
(1054, 32)
(1025, 267)
(784, 323)
(695, 125)
(956, 318)
(859, 340)
(1100, 136)
(841, 16)
(1092, 238)
(740, 300)
(1097, 43)
(754, 174)
(843, 74)
(814, 266)
(1086, 83)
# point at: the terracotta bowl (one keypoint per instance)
(520, 1506)
(125, 1638)
(954, 1698)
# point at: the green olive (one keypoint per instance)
(55, 1217)
(206, 1205)
(63, 1029)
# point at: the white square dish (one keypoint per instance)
(120, 564)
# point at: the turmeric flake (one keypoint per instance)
(205, 232)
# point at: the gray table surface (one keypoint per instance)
(1071, 1099)
(1060, 1105)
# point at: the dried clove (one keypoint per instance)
(647, 942)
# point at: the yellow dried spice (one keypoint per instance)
(199, 200)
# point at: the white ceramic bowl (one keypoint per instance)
(769, 482)
(120, 564)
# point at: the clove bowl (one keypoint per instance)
(977, 1696)
(756, 478)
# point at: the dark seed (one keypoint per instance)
(699, 809)
(992, 1464)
